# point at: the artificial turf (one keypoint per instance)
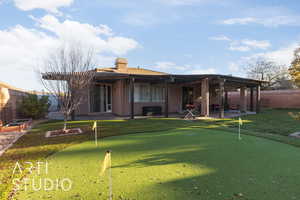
(183, 163)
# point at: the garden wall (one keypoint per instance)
(271, 98)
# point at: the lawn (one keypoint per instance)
(178, 164)
(163, 140)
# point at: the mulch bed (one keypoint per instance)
(61, 132)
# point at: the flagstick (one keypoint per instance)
(96, 138)
(240, 132)
(110, 179)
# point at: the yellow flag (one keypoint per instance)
(94, 125)
(240, 121)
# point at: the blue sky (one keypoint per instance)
(176, 36)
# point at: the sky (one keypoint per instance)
(175, 36)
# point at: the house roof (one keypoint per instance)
(131, 70)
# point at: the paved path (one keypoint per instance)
(7, 140)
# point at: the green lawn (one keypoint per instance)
(178, 164)
(165, 139)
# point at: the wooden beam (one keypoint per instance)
(166, 99)
(258, 99)
(221, 98)
(251, 100)
(131, 98)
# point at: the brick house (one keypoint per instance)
(127, 91)
(9, 99)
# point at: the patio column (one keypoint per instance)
(258, 99)
(166, 99)
(243, 99)
(205, 97)
(251, 99)
(221, 98)
(131, 98)
(226, 100)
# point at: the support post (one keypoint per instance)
(221, 98)
(131, 98)
(166, 99)
(251, 100)
(226, 100)
(258, 99)
(243, 100)
(205, 97)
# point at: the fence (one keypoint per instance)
(271, 98)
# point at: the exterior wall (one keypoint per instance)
(270, 98)
(121, 103)
(9, 99)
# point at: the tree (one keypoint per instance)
(275, 75)
(33, 106)
(295, 67)
(65, 74)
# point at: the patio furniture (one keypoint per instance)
(152, 110)
(190, 109)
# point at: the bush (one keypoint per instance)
(33, 106)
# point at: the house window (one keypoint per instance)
(148, 93)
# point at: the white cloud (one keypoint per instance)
(49, 5)
(242, 45)
(247, 45)
(173, 68)
(169, 67)
(203, 71)
(220, 38)
(245, 20)
(233, 67)
(282, 56)
(273, 21)
(22, 48)
(262, 44)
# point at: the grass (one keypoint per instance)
(271, 124)
(179, 164)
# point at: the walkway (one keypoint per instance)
(8, 139)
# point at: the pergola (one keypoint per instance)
(221, 82)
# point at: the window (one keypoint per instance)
(148, 93)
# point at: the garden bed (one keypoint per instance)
(61, 132)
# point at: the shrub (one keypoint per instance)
(34, 106)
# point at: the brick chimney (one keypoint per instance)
(121, 64)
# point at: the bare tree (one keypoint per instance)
(276, 75)
(65, 74)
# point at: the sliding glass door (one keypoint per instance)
(100, 98)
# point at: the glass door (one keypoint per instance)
(100, 98)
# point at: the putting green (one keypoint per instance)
(181, 164)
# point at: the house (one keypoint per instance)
(10, 97)
(127, 91)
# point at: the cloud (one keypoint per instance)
(282, 56)
(48, 5)
(173, 68)
(203, 71)
(233, 67)
(243, 21)
(243, 45)
(141, 19)
(247, 45)
(274, 21)
(190, 2)
(23, 48)
(220, 38)
(169, 67)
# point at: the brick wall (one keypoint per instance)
(271, 98)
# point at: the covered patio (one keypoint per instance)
(208, 93)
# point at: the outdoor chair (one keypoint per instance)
(191, 112)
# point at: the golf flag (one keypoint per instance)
(240, 124)
(240, 121)
(94, 125)
(95, 129)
